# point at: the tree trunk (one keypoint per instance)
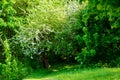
(45, 61)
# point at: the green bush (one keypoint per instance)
(100, 33)
(46, 27)
(8, 21)
(11, 69)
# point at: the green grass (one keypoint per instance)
(69, 72)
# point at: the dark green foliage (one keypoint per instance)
(8, 22)
(100, 25)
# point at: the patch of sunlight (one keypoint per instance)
(40, 79)
(114, 69)
(31, 79)
(54, 70)
(68, 67)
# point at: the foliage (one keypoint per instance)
(43, 30)
(8, 21)
(100, 33)
(64, 30)
(11, 69)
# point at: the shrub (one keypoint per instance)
(99, 33)
(11, 69)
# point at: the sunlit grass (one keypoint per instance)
(75, 73)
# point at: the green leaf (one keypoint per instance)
(99, 7)
(92, 52)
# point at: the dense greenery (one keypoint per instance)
(11, 69)
(100, 33)
(39, 33)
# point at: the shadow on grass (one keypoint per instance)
(74, 72)
(53, 71)
(40, 73)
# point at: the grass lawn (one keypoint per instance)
(70, 72)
